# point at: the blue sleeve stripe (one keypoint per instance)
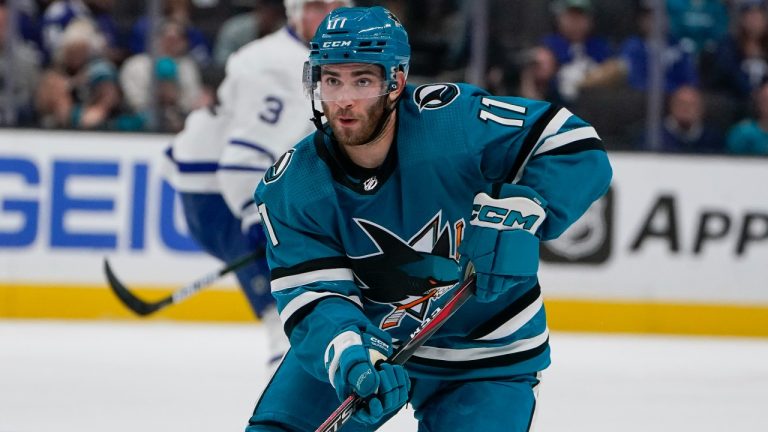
(241, 168)
(253, 146)
(192, 167)
(247, 204)
(197, 167)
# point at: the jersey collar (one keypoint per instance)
(365, 181)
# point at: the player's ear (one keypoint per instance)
(394, 94)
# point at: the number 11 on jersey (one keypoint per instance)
(487, 115)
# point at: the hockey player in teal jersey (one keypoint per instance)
(372, 220)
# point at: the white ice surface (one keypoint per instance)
(166, 377)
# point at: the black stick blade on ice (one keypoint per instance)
(137, 305)
(144, 308)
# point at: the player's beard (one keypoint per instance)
(369, 122)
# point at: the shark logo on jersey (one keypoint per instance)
(435, 96)
(406, 274)
(275, 171)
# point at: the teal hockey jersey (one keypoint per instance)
(350, 246)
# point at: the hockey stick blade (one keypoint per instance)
(428, 327)
(137, 305)
(144, 308)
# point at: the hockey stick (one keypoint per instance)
(428, 327)
(145, 308)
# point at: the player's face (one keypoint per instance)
(357, 105)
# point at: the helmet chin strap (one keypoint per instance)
(317, 117)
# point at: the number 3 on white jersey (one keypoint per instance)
(487, 115)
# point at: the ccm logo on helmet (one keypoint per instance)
(337, 44)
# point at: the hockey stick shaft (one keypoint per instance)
(144, 308)
(428, 327)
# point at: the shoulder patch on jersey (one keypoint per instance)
(435, 96)
(275, 171)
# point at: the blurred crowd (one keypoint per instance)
(107, 65)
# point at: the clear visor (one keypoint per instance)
(330, 85)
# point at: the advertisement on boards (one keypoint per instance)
(70, 199)
(672, 229)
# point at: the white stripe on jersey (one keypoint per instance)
(516, 322)
(552, 128)
(324, 275)
(479, 353)
(567, 137)
(307, 298)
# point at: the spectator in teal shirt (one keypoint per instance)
(702, 23)
(750, 136)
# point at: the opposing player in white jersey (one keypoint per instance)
(223, 151)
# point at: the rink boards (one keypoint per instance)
(679, 245)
